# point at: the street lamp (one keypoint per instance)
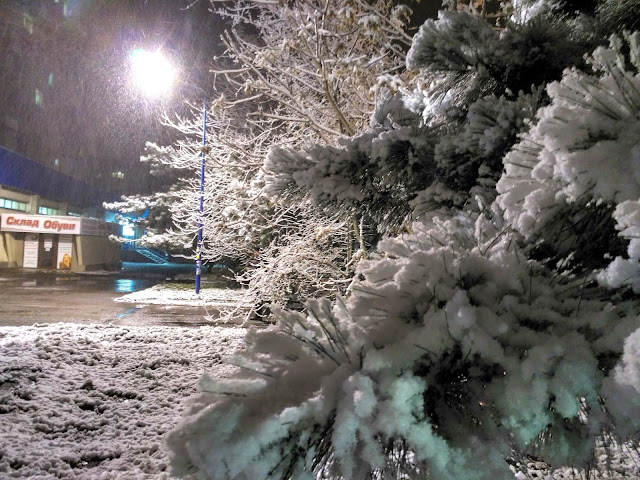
(152, 72)
(154, 75)
(199, 249)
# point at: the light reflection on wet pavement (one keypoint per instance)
(32, 296)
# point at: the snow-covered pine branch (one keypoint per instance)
(565, 177)
(457, 359)
(461, 350)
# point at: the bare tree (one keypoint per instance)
(312, 67)
(293, 73)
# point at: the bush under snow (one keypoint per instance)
(447, 359)
(481, 339)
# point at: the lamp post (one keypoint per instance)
(154, 74)
(199, 248)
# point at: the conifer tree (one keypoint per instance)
(498, 336)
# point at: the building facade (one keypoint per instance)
(52, 221)
(33, 84)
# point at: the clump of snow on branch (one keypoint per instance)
(443, 353)
(564, 178)
(622, 389)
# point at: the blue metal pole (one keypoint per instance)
(199, 251)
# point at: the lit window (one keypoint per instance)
(12, 204)
(48, 211)
(117, 174)
(125, 285)
(128, 231)
(27, 22)
(38, 97)
(56, 162)
(50, 81)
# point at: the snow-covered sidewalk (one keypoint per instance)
(95, 402)
(162, 295)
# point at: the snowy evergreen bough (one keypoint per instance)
(452, 358)
(461, 56)
(374, 174)
(497, 324)
(579, 162)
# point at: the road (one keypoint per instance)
(29, 296)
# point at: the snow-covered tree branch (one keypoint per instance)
(292, 73)
(503, 324)
(314, 61)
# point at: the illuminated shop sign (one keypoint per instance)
(31, 225)
(14, 222)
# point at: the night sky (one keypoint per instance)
(185, 31)
(92, 119)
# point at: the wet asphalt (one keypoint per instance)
(29, 297)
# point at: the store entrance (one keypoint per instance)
(47, 250)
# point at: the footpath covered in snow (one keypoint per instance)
(213, 297)
(95, 402)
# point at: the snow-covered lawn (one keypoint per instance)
(95, 402)
(163, 295)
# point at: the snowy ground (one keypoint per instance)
(161, 295)
(94, 402)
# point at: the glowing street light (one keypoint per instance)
(153, 74)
